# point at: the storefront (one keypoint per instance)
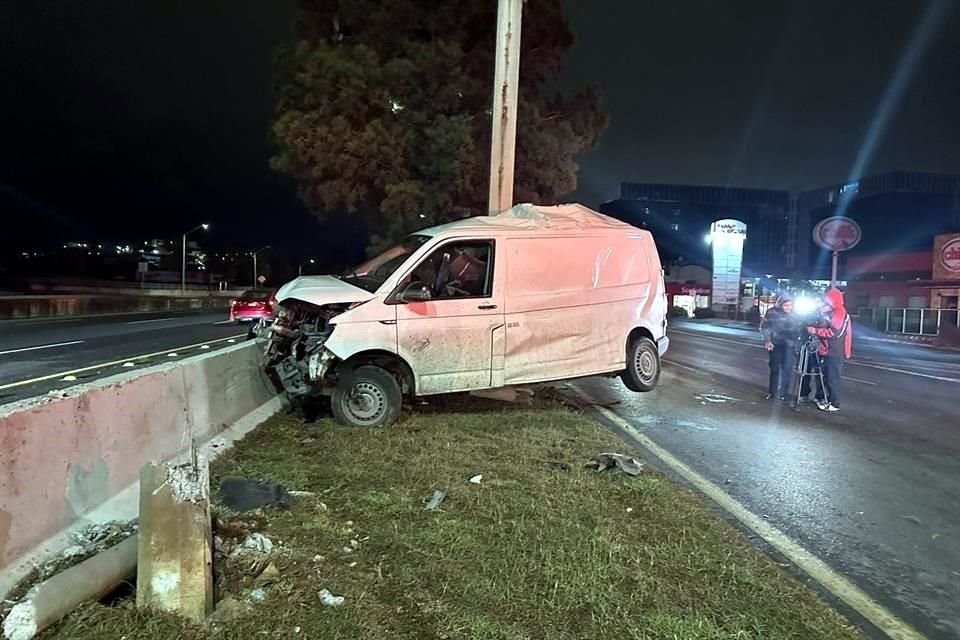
(916, 280)
(688, 297)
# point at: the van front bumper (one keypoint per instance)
(662, 345)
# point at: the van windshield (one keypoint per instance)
(375, 271)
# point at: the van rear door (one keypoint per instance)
(448, 340)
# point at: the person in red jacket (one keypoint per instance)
(836, 346)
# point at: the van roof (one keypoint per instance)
(562, 218)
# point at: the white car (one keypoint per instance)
(535, 294)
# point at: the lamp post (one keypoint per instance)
(310, 261)
(183, 263)
(255, 283)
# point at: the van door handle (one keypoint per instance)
(487, 307)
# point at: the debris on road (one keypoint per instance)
(327, 599)
(715, 398)
(477, 479)
(434, 502)
(242, 494)
(228, 610)
(913, 519)
(629, 465)
(254, 543)
(268, 576)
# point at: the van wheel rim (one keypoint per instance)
(646, 365)
(367, 402)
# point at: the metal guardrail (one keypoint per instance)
(911, 322)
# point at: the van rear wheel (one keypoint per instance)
(371, 397)
(643, 365)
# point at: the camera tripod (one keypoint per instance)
(809, 366)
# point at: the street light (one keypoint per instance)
(254, 254)
(310, 261)
(183, 264)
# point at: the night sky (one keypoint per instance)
(123, 120)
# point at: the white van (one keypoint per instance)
(532, 295)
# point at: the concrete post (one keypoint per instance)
(175, 553)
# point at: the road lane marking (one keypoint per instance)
(66, 374)
(872, 384)
(674, 363)
(224, 322)
(854, 363)
(42, 346)
(857, 599)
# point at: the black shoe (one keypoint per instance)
(769, 396)
(782, 398)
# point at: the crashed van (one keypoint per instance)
(532, 295)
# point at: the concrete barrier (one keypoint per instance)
(75, 458)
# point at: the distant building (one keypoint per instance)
(898, 212)
(679, 216)
(927, 279)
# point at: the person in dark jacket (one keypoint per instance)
(836, 346)
(780, 331)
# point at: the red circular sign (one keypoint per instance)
(837, 234)
(950, 255)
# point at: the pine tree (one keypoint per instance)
(383, 110)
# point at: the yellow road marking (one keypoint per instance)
(878, 615)
(115, 363)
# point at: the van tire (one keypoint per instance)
(367, 397)
(643, 365)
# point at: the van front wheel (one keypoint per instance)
(643, 365)
(371, 397)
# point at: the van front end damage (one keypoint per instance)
(296, 353)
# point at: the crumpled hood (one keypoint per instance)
(321, 290)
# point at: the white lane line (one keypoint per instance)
(223, 322)
(154, 320)
(878, 615)
(853, 363)
(42, 346)
(72, 374)
(872, 384)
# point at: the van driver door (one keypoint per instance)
(450, 317)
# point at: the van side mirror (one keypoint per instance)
(415, 292)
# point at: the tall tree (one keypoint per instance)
(383, 109)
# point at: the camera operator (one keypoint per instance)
(780, 331)
(836, 345)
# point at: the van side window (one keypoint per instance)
(457, 270)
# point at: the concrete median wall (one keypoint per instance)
(66, 305)
(64, 459)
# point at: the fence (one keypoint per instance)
(916, 322)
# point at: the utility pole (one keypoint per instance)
(505, 94)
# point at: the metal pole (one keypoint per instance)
(505, 95)
(183, 267)
(254, 269)
(833, 273)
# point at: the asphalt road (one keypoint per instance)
(873, 490)
(38, 356)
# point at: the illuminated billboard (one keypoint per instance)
(727, 238)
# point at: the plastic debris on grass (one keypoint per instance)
(627, 464)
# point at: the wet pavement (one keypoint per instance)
(874, 490)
